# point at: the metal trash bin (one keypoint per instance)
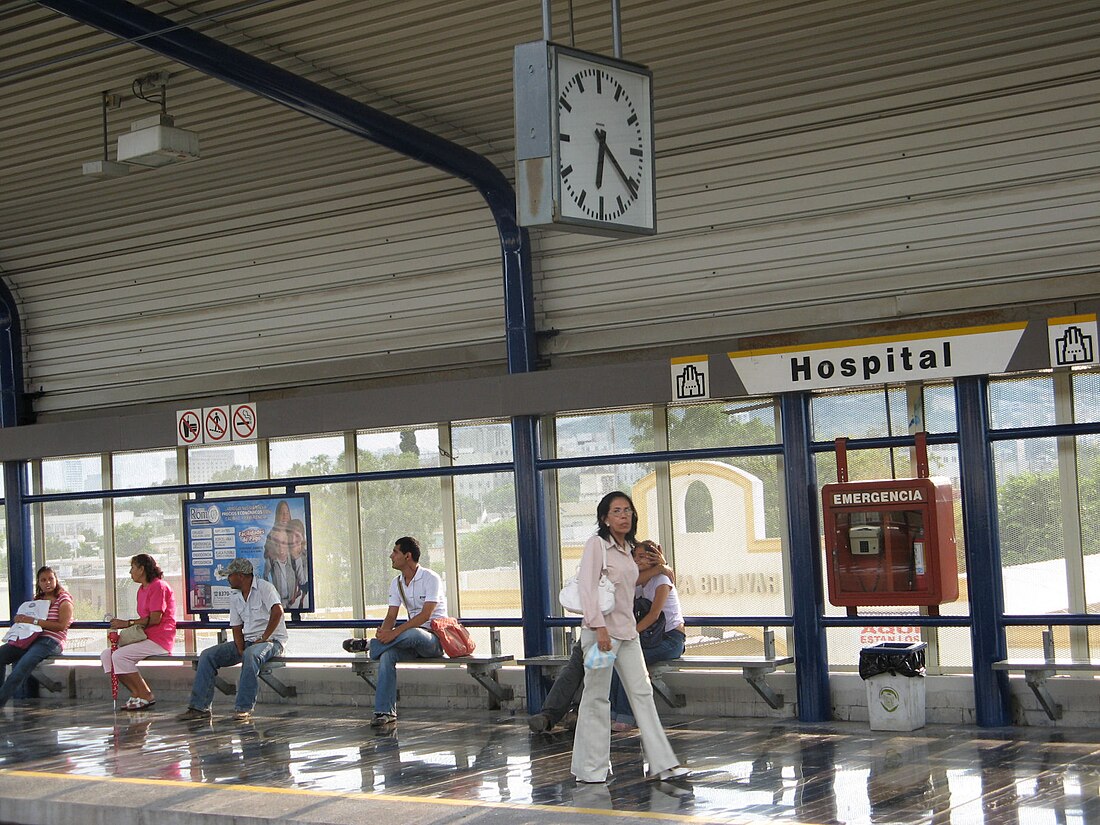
(894, 673)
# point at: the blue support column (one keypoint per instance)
(534, 570)
(18, 525)
(983, 559)
(807, 590)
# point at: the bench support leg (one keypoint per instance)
(486, 676)
(661, 688)
(757, 678)
(368, 672)
(52, 685)
(1037, 681)
(286, 691)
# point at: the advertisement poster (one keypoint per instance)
(272, 532)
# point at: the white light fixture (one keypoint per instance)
(156, 141)
(105, 168)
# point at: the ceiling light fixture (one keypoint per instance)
(155, 141)
(106, 168)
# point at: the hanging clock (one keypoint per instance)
(584, 142)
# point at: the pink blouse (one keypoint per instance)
(623, 573)
(158, 596)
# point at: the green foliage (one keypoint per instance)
(130, 539)
(1029, 518)
(494, 545)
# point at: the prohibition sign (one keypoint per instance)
(244, 422)
(189, 427)
(217, 423)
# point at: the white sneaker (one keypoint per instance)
(679, 772)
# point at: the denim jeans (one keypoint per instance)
(416, 643)
(671, 647)
(23, 662)
(256, 655)
(567, 688)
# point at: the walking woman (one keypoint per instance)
(25, 654)
(616, 524)
(156, 607)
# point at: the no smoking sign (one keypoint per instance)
(244, 422)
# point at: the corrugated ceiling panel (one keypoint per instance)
(820, 163)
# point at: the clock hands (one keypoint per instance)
(629, 182)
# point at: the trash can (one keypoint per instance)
(894, 672)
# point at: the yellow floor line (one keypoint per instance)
(364, 797)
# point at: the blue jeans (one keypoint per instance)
(256, 655)
(23, 662)
(416, 643)
(671, 647)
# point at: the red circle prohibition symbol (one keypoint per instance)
(244, 422)
(216, 424)
(189, 427)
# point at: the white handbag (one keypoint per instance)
(570, 595)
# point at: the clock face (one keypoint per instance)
(604, 143)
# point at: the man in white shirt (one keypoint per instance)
(420, 592)
(259, 634)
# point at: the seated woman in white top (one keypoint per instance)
(664, 607)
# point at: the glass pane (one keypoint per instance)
(72, 474)
(1029, 515)
(1026, 401)
(294, 457)
(604, 433)
(733, 505)
(1088, 492)
(939, 408)
(580, 491)
(481, 442)
(237, 462)
(1086, 397)
(898, 410)
(389, 510)
(5, 607)
(743, 423)
(856, 414)
(864, 465)
(330, 512)
(398, 449)
(488, 546)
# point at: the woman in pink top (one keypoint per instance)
(156, 607)
(610, 550)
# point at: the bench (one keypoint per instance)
(755, 669)
(1037, 671)
(483, 669)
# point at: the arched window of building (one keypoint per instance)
(698, 508)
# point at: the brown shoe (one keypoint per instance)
(194, 714)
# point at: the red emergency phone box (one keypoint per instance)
(890, 542)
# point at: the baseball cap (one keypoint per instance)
(243, 566)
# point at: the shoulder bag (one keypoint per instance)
(655, 633)
(131, 634)
(453, 637)
(570, 595)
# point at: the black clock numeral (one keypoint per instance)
(622, 206)
(565, 139)
(636, 152)
(567, 171)
(580, 85)
(632, 185)
(580, 200)
(618, 93)
(599, 83)
(632, 120)
(565, 104)
(601, 207)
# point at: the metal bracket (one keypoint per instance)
(52, 685)
(1037, 681)
(661, 688)
(486, 676)
(269, 679)
(757, 678)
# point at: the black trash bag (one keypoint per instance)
(895, 658)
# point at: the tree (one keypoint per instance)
(494, 545)
(1029, 517)
(130, 539)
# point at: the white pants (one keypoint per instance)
(592, 741)
(127, 657)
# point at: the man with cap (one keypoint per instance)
(259, 634)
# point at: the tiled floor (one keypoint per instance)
(746, 771)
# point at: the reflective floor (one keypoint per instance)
(746, 770)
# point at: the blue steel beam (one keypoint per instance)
(807, 590)
(13, 412)
(983, 563)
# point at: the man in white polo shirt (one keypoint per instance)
(259, 634)
(420, 592)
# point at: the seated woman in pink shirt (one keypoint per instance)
(156, 607)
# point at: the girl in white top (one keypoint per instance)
(663, 598)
